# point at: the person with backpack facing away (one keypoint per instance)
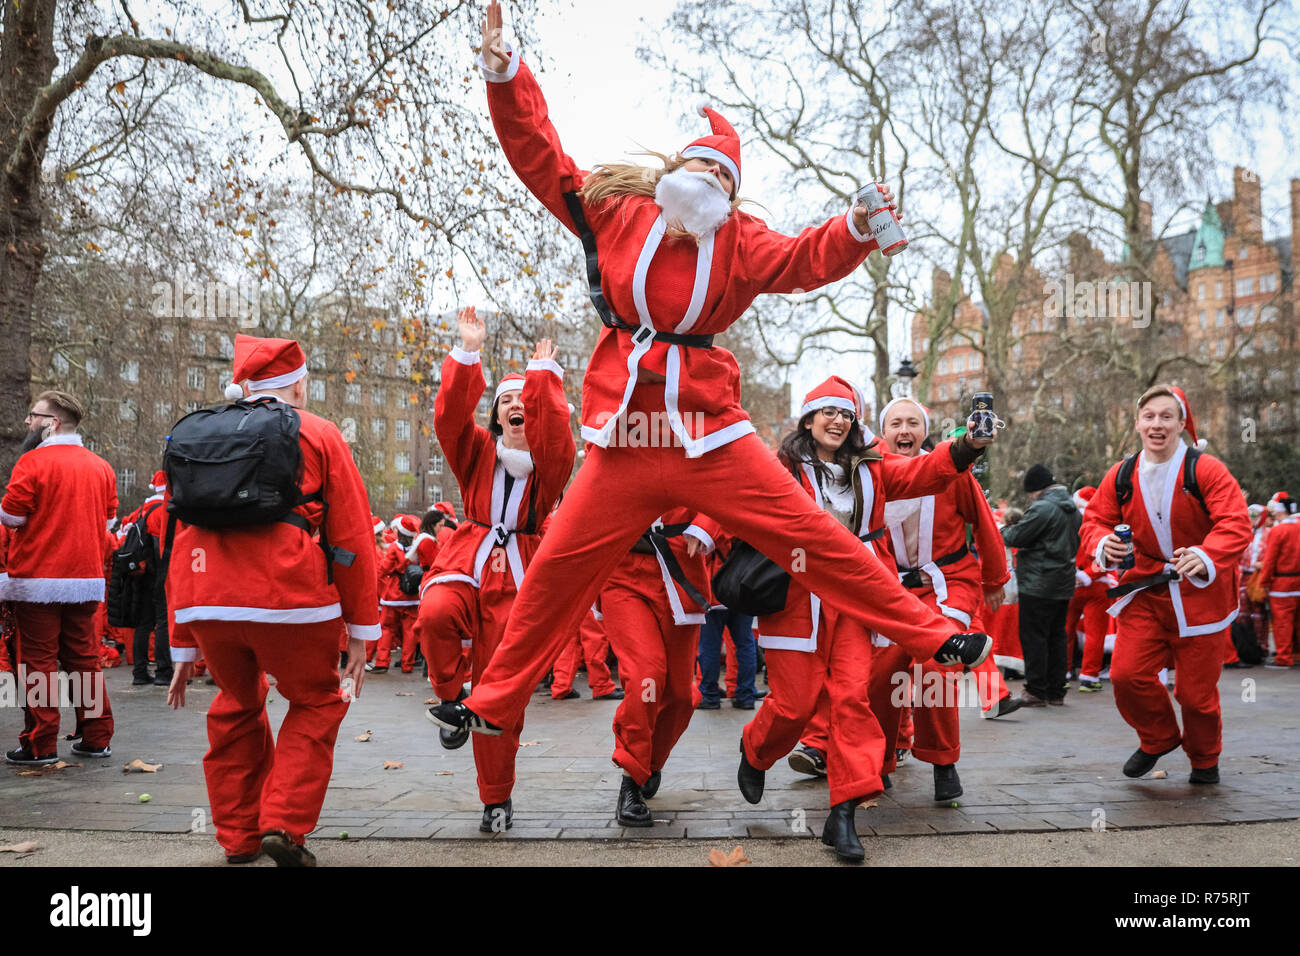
(268, 595)
(1189, 528)
(153, 512)
(58, 503)
(1279, 577)
(398, 606)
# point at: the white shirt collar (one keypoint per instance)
(63, 438)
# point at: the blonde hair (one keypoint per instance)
(610, 181)
(1161, 391)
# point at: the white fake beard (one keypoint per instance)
(692, 202)
(516, 461)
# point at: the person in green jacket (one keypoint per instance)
(1047, 539)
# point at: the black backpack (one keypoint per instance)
(1124, 479)
(240, 465)
(409, 581)
(1246, 641)
(749, 582)
(134, 577)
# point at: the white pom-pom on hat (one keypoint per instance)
(234, 391)
(1201, 444)
(703, 105)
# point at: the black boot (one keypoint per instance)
(651, 786)
(497, 817)
(749, 778)
(947, 785)
(840, 832)
(632, 811)
(1140, 763)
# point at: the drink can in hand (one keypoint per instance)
(881, 220)
(1125, 535)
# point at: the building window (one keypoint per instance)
(224, 347)
(126, 479)
(379, 427)
(402, 399)
(959, 363)
(131, 371)
(1220, 349)
(317, 362)
(436, 492)
(1243, 253)
(1218, 290)
(1268, 282)
(354, 394)
(1049, 325)
(1201, 315)
(1268, 314)
(1200, 290)
(377, 460)
(194, 377)
(198, 343)
(975, 361)
(59, 364)
(402, 429)
(402, 462)
(92, 367)
(1246, 286)
(1246, 316)
(403, 367)
(403, 498)
(378, 397)
(943, 366)
(435, 464)
(162, 411)
(378, 364)
(316, 389)
(1219, 318)
(166, 375)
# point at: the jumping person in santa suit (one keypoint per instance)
(816, 653)
(1182, 590)
(676, 263)
(263, 599)
(511, 474)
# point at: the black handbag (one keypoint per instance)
(749, 582)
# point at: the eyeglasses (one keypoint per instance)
(31, 415)
(830, 413)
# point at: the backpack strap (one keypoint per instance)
(333, 555)
(1124, 480)
(1190, 484)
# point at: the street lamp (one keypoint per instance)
(905, 374)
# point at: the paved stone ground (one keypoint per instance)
(1044, 770)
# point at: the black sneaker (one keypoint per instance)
(969, 649)
(571, 695)
(285, 852)
(23, 756)
(1140, 762)
(631, 810)
(453, 715)
(1204, 775)
(709, 705)
(453, 739)
(244, 857)
(497, 817)
(808, 760)
(947, 785)
(615, 694)
(138, 681)
(81, 750)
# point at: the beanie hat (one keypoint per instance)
(723, 146)
(1037, 478)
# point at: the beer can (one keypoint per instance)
(981, 411)
(881, 220)
(1125, 534)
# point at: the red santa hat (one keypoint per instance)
(265, 364)
(446, 508)
(838, 392)
(1275, 504)
(389, 536)
(1083, 496)
(924, 411)
(159, 482)
(1188, 422)
(511, 383)
(406, 524)
(377, 524)
(723, 146)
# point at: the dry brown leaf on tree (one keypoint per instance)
(139, 766)
(27, 847)
(393, 765)
(735, 858)
(364, 737)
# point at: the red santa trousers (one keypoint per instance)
(1096, 624)
(456, 611)
(740, 485)
(656, 665)
(589, 645)
(1144, 643)
(936, 737)
(839, 671)
(256, 783)
(397, 629)
(1284, 629)
(54, 637)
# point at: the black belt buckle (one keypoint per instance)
(642, 333)
(912, 579)
(502, 535)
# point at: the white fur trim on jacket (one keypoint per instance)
(184, 655)
(464, 357)
(1210, 571)
(853, 229)
(492, 76)
(364, 632)
(61, 438)
(53, 590)
(549, 365)
(702, 536)
(12, 521)
(517, 462)
(264, 615)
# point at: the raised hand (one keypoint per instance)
(472, 330)
(546, 351)
(494, 48)
(860, 211)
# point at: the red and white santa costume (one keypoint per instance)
(1279, 575)
(653, 625)
(589, 646)
(398, 610)
(714, 464)
(1184, 619)
(59, 501)
(255, 600)
(1086, 616)
(820, 658)
(507, 493)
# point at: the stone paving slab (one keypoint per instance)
(1037, 771)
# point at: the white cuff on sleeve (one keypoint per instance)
(547, 365)
(1099, 556)
(1081, 578)
(1210, 571)
(494, 77)
(702, 536)
(184, 655)
(463, 357)
(853, 229)
(12, 521)
(364, 632)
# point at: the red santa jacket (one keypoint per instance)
(492, 520)
(938, 523)
(1280, 572)
(1165, 519)
(668, 284)
(276, 572)
(391, 567)
(60, 499)
(882, 476)
(631, 572)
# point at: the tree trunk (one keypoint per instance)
(27, 62)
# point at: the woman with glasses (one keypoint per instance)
(815, 651)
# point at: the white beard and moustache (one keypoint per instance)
(693, 202)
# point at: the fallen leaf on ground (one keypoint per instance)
(21, 847)
(444, 773)
(364, 737)
(139, 766)
(870, 803)
(735, 858)
(404, 693)
(433, 700)
(393, 765)
(1159, 775)
(529, 743)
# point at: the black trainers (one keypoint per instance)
(284, 851)
(1007, 705)
(23, 756)
(808, 760)
(1204, 775)
(453, 739)
(455, 716)
(749, 778)
(238, 858)
(969, 649)
(571, 695)
(651, 786)
(81, 750)
(497, 817)
(707, 704)
(632, 811)
(947, 785)
(1139, 764)
(615, 694)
